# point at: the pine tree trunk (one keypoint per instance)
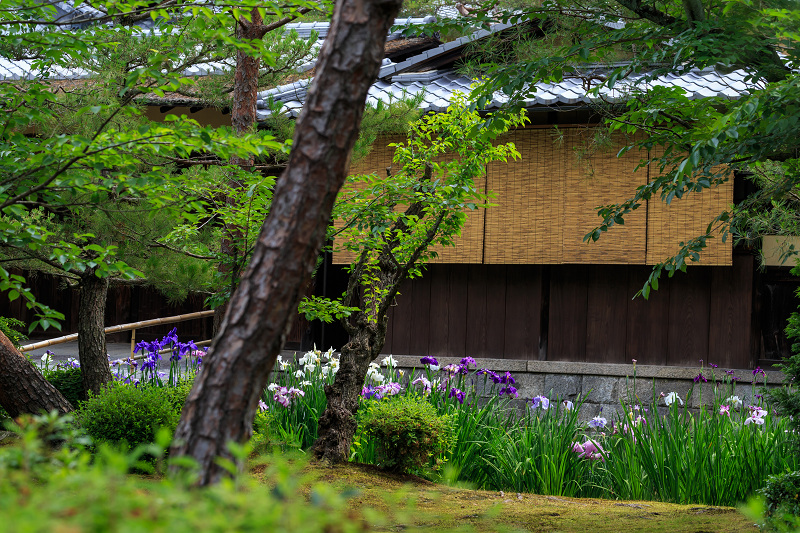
(222, 404)
(243, 121)
(338, 425)
(23, 389)
(92, 353)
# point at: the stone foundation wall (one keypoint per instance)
(604, 386)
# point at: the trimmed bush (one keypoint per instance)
(69, 382)
(127, 414)
(782, 495)
(409, 432)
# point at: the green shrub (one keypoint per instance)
(69, 382)
(782, 495)
(77, 492)
(178, 393)
(124, 413)
(409, 432)
(13, 328)
(262, 424)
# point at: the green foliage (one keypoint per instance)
(12, 328)
(787, 398)
(692, 144)
(126, 414)
(45, 444)
(178, 392)
(69, 382)
(410, 433)
(43, 488)
(782, 495)
(98, 186)
(435, 176)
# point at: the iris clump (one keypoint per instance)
(662, 449)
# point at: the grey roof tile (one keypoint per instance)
(438, 87)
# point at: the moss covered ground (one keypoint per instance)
(417, 504)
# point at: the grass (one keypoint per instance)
(434, 507)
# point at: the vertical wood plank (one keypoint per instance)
(401, 322)
(606, 315)
(568, 307)
(731, 303)
(420, 331)
(457, 314)
(388, 345)
(439, 309)
(689, 307)
(494, 325)
(523, 307)
(647, 329)
(476, 311)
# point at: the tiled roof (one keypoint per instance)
(439, 86)
(412, 62)
(304, 29)
(23, 69)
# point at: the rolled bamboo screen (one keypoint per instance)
(596, 178)
(527, 226)
(470, 243)
(546, 203)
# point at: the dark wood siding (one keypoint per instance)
(591, 315)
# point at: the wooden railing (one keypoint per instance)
(132, 327)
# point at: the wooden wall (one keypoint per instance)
(578, 313)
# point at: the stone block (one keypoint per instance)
(565, 387)
(601, 389)
(530, 385)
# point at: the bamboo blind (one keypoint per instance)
(597, 178)
(546, 202)
(470, 244)
(527, 224)
(685, 218)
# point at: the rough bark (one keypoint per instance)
(338, 425)
(243, 120)
(92, 352)
(23, 389)
(222, 403)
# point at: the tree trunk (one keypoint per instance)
(338, 425)
(92, 353)
(23, 389)
(222, 403)
(243, 120)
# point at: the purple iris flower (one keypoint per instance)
(458, 394)
(510, 390)
(427, 360)
(507, 379)
(541, 401)
(469, 362)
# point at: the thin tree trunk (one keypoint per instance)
(95, 370)
(243, 120)
(338, 425)
(23, 389)
(222, 403)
